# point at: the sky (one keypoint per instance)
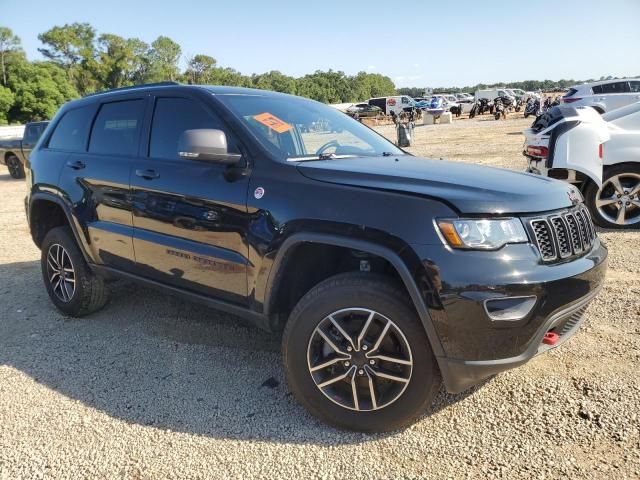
(416, 43)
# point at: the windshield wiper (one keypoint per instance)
(322, 156)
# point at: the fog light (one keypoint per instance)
(509, 308)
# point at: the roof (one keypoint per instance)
(613, 80)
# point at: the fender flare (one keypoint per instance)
(73, 224)
(392, 257)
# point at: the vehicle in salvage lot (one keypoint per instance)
(385, 272)
(598, 153)
(364, 110)
(14, 152)
(605, 95)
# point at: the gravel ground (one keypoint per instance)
(153, 387)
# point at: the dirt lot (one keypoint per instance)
(153, 387)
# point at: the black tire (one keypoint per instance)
(359, 290)
(89, 294)
(526, 114)
(497, 115)
(592, 192)
(16, 169)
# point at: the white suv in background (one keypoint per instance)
(605, 95)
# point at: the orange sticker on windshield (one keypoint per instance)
(273, 122)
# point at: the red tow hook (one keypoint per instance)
(551, 338)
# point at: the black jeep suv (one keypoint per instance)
(386, 273)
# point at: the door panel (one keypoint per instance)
(189, 216)
(97, 182)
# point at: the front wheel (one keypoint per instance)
(497, 115)
(16, 169)
(73, 288)
(356, 355)
(617, 203)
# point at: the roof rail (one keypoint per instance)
(133, 87)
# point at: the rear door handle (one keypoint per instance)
(147, 174)
(76, 165)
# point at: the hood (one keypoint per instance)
(471, 189)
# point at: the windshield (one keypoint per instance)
(294, 128)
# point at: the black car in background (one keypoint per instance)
(14, 152)
(364, 110)
(386, 274)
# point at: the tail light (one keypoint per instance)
(601, 150)
(537, 151)
(571, 99)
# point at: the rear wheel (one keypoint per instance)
(617, 203)
(357, 357)
(16, 169)
(72, 286)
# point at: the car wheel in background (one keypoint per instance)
(617, 203)
(16, 169)
(356, 355)
(72, 286)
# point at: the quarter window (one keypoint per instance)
(171, 117)
(117, 127)
(72, 129)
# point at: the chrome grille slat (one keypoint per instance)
(574, 233)
(563, 235)
(544, 239)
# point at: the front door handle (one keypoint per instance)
(76, 165)
(147, 174)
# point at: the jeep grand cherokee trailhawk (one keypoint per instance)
(385, 273)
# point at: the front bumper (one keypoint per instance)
(475, 347)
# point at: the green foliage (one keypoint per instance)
(163, 60)
(9, 43)
(39, 88)
(7, 98)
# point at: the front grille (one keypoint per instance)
(563, 235)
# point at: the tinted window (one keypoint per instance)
(171, 117)
(116, 128)
(32, 134)
(634, 86)
(71, 131)
(615, 87)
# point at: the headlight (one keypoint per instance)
(482, 233)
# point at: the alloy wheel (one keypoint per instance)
(618, 200)
(61, 273)
(13, 164)
(359, 359)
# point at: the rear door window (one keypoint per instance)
(72, 129)
(634, 86)
(614, 87)
(117, 128)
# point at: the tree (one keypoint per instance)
(39, 89)
(121, 61)
(163, 60)
(276, 81)
(6, 102)
(72, 47)
(200, 69)
(8, 43)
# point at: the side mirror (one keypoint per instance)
(206, 144)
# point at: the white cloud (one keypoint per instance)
(371, 67)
